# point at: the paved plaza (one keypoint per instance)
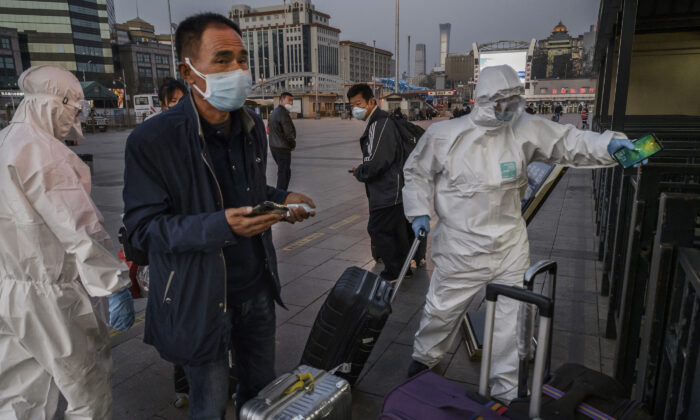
(313, 254)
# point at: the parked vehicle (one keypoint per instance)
(145, 105)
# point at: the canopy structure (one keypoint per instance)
(99, 95)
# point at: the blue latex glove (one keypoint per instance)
(617, 144)
(421, 223)
(121, 310)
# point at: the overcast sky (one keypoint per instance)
(477, 21)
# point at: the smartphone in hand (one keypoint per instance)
(268, 207)
(644, 147)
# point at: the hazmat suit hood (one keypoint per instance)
(53, 101)
(497, 82)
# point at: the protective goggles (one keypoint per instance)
(82, 108)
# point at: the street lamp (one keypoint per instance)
(172, 42)
(317, 114)
(88, 63)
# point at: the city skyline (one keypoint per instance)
(418, 19)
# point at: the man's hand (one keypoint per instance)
(353, 170)
(299, 214)
(250, 226)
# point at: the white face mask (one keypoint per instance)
(359, 113)
(288, 107)
(225, 91)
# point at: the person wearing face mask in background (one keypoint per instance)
(191, 177)
(381, 173)
(169, 94)
(54, 256)
(475, 169)
(283, 139)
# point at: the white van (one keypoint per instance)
(145, 105)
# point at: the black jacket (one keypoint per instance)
(282, 132)
(382, 167)
(174, 209)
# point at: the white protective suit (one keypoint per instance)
(54, 255)
(477, 167)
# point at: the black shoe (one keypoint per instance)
(415, 368)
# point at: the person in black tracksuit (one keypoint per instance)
(381, 172)
(282, 139)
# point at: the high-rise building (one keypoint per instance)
(420, 59)
(357, 62)
(10, 59)
(296, 40)
(444, 42)
(111, 16)
(144, 56)
(73, 34)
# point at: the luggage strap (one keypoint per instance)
(583, 408)
(305, 381)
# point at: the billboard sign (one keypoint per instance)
(517, 59)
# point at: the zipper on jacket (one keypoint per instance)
(167, 286)
(398, 188)
(221, 196)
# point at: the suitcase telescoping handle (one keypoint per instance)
(526, 322)
(411, 253)
(546, 309)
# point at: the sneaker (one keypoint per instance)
(415, 368)
(181, 400)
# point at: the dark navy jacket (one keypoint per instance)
(174, 209)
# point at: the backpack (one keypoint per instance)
(410, 134)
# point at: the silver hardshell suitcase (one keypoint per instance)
(303, 394)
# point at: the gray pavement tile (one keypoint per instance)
(575, 267)
(366, 406)
(359, 253)
(283, 315)
(576, 348)
(389, 335)
(130, 402)
(291, 341)
(303, 291)
(576, 317)
(388, 372)
(558, 253)
(132, 357)
(330, 270)
(306, 256)
(408, 331)
(607, 366)
(307, 316)
(291, 271)
(402, 311)
(607, 347)
(462, 369)
(340, 242)
(574, 244)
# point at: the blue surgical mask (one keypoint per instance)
(226, 91)
(359, 113)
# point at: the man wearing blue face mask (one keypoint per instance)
(381, 172)
(192, 176)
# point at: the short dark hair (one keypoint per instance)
(360, 89)
(285, 94)
(168, 87)
(189, 31)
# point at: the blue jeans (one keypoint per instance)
(253, 346)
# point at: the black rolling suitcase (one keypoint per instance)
(350, 321)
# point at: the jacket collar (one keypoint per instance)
(247, 122)
(376, 114)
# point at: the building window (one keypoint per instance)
(143, 58)
(146, 80)
(162, 59)
(162, 74)
(5, 43)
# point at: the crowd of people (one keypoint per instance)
(193, 175)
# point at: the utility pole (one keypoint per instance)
(317, 114)
(126, 99)
(408, 69)
(396, 80)
(374, 67)
(172, 42)
(284, 46)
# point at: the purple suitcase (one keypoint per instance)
(430, 396)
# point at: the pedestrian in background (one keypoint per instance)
(54, 256)
(283, 139)
(584, 118)
(382, 173)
